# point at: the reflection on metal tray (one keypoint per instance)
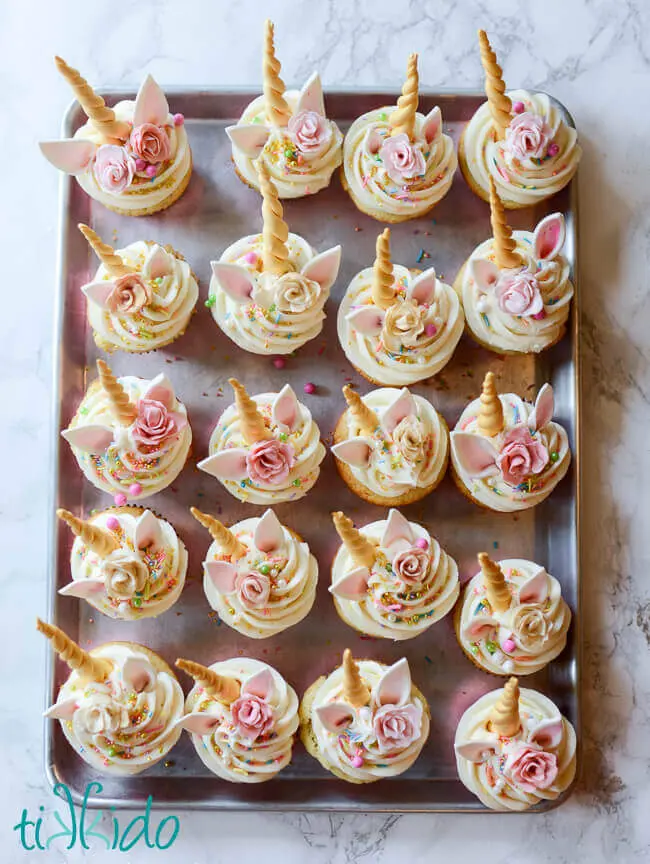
(216, 210)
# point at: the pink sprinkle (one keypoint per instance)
(151, 171)
(179, 119)
(540, 315)
(135, 489)
(509, 646)
(553, 149)
(120, 499)
(309, 388)
(518, 107)
(430, 330)
(140, 164)
(422, 543)
(112, 524)
(279, 363)
(357, 762)
(250, 258)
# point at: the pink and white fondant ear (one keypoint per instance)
(160, 388)
(432, 125)
(324, 268)
(336, 716)
(352, 586)
(200, 723)
(83, 588)
(148, 531)
(285, 410)
(397, 528)
(261, 684)
(269, 534)
(544, 408)
(475, 751)
(549, 237)
(367, 320)
(394, 686)
(311, 96)
(63, 710)
(93, 439)
(548, 733)
(484, 273)
(535, 589)
(157, 263)
(139, 674)
(226, 465)
(476, 454)
(403, 406)
(250, 138)
(234, 280)
(100, 292)
(150, 104)
(480, 628)
(222, 574)
(373, 141)
(422, 288)
(72, 155)
(355, 452)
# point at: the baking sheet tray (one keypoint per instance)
(216, 210)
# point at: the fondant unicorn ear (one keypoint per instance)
(484, 273)
(324, 268)
(422, 289)
(148, 531)
(544, 407)
(432, 125)
(475, 453)
(548, 733)
(250, 138)
(475, 751)
(150, 104)
(139, 674)
(161, 389)
(261, 685)
(404, 406)
(226, 465)
(394, 686)
(89, 439)
(373, 141)
(535, 589)
(63, 710)
(311, 96)
(355, 452)
(268, 533)
(352, 586)
(72, 155)
(222, 574)
(367, 320)
(480, 628)
(549, 238)
(397, 528)
(235, 280)
(82, 588)
(200, 723)
(157, 263)
(99, 292)
(285, 410)
(336, 716)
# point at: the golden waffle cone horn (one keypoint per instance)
(360, 548)
(102, 117)
(229, 544)
(277, 110)
(504, 717)
(220, 687)
(275, 233)
(495, 583)
(123, 409)
(355, 691)
(97, 539)
(495, 88)
(106, 254)
(490, 414)
(251, 421)
(80, 661)
(505, 245)
(403, 119)
(365, 417)
(383, 292)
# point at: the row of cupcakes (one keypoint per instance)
(396, 164)
(122, 710)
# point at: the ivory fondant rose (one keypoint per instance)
(519, 294)
(154, 423)
(521, 456)
(410, 438)
(102, 715)
(131, 293)
(252, 716)
(411, 565)
(530, 626)
(151, 143)
(295, 293)
(397, 726)
(531, 768)
(253, 589)
(124, 575)
(310, 132)
(403, 325)
(528, 136)
(270, 462)
(402, 160)
(113, 168)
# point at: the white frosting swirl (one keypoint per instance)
(537, 629)
(292, 180)
(157, 323)
(489, 779)
(138, 583)
(145, 192)
(226, 752)
(398, 357)
(493, 491)
(520, 183)
(371, 187)
(501, 331)
(115, 729)
(275, 327)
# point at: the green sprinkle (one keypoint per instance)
(212, 299)
(137, 602)
(296, 482)
(288, 154)
(283, 436)
(264, 569)
(491, 647)
(83, 410)
(272, 307)
(112, 751)
(555, 456)
(383, 116)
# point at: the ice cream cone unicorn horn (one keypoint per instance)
(80, 661)
(355, 691)
(402, 120)
(274, 229)
(495, 584)
(490, 415)
(364, 417)
(106, 254)
(123, 409)
(97, 539)
(229, 544)
(277, 109)
(102, 117)
(252, 423)
(383, 292)
(360, 548)
(505, 246)
(504, 718)
(495, 88)
(225, 690)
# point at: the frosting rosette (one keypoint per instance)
(406, 583)
(127, 722)
(365, 721)
(247, 734)
(127, 563)
(514, 749)
(265, 449)
(513, 619)
(130, 436)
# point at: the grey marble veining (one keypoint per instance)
(594, 55)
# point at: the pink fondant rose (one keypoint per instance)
(151, 143)
(113, 168)
(130, 294)
(402, 160)
(154, 423)
(519, 294)
(411, 565)
(531, 769)
(252, 716)
(310, 132)
(521, 456)
(269, 462)
(528, 136)
(397, 726)
(253, 589)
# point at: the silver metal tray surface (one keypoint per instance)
(216, 210)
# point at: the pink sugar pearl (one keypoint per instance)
(357, 762)
(279, 363)
(151, 171)
(250, 258)
(140, 164)
(309, 388)
(540, 315)
(509, 646)
(518, 107)
(430, 330)
(120, 499)
(112, 524)
(135, 489)
(179, 119)
(553, 149)
(422, 543)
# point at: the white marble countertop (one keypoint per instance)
(594, 55)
